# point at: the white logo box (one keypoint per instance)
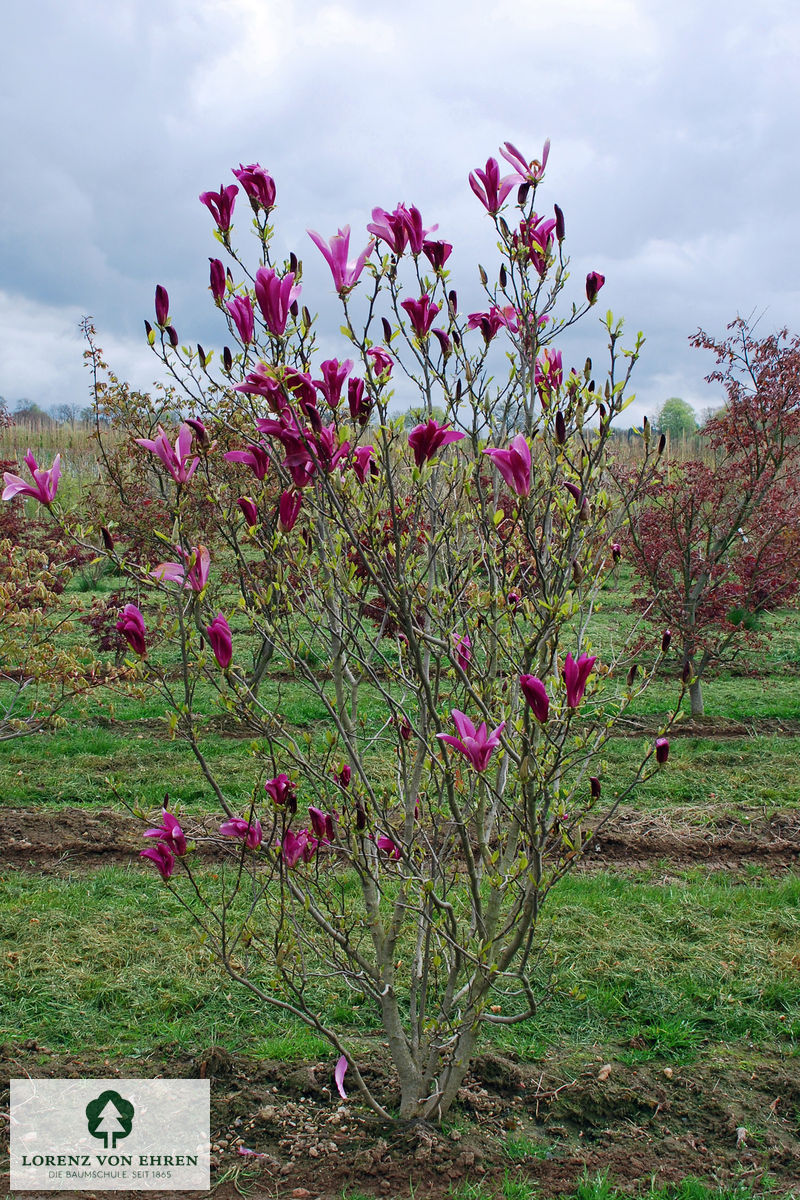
(110, 1134)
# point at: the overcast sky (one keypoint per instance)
(674, 157)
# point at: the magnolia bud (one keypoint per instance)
(452, 302)
(151, 337)
(559, 222)
(686, 674)
(616, 551)
(629, 678)
(662, 443)
(172, 334)
(201, 354)
(595, 786)
(577, 572)
(387, 330)
(561, 428)
(361, 818)
(522, 193)
(162, 306)
(108, 540)
(503, 275)
(227, 359)
(662, 749)
(666, 638)
(293, 262)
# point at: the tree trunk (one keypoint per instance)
(696, 697)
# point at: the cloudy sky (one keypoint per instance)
(674, 157)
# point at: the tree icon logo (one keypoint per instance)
(110, 1117)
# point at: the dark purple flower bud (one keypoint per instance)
(574, 491)
(131, 626)
(666, 638)
(227, 360)
(522, 193)
(108, 540)
(444, 342)
(151, 337)
(172, 334)
(632, 670)
(594, 281)
(561, 428)
(218, 279)
(577, 572)
(616, 551)
(405, 729)
(452, 302)
(343, 775)
(289, 509)
(293, 263)
(387, 330)
(249, 510)
(219, 635)
(594, 783)
(361, 818)
(559, 222)
(662, 444)
(686, 674)
(162, 306)
(662, 749)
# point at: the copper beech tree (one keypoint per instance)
(717, 541)
(426, 594)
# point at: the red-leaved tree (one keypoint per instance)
(717, 542)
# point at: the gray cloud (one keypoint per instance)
(673, 130)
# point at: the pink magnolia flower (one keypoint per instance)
(334, 374)
(490, 189)
(390, 227)
(343, 775)
(219, 635)
(131, 626)
(297, 846)
(358, 401)
(45, 483)
(218, 279)
(575, 676)
(281, 790)
(463, 648)
(162, 306)
(338, 1076)
(249, 510)
(535, 693)
(221, 204)
(475, 744)
(255, 456)
(163, 858)
(548, 374)
(422, 314)
(191, 573)
(514, 464)
(536, 236)
(289, 507)
(262, 382)
(322, 825)
(426, 439)
(363, 463)
(258, 185)
(388, 846)
(437, 253)
(594, 281)
(345, 273)
(529, 172)
(173, 458)
(662, 749)
(249, 832)
(275, 296)
(491, 322)
(382, 362)
(241, 309)
(170, 834)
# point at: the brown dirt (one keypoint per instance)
(69, 839)
(719, 1121)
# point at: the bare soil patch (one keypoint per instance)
(69, 839)
(546, 1122)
